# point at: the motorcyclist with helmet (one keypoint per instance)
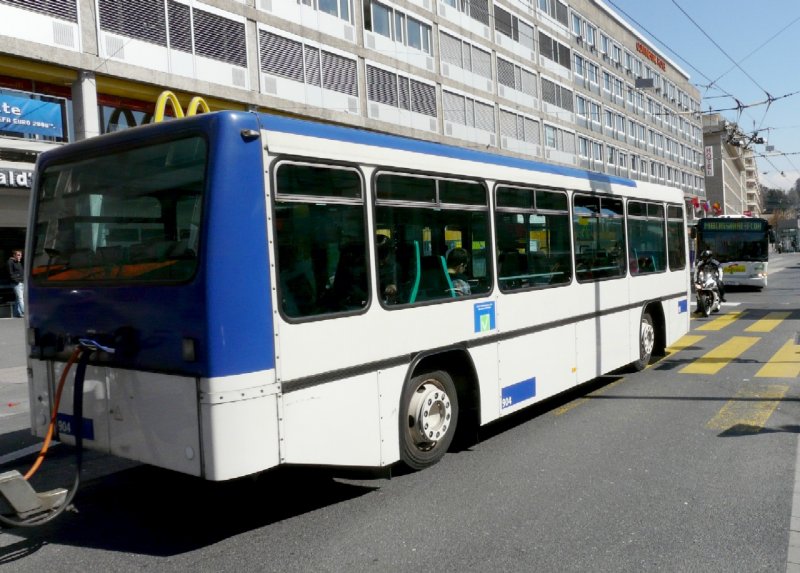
(706, 257)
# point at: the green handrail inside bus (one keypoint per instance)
(415, 289)
(451, 289)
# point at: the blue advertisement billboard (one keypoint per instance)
(20, 115)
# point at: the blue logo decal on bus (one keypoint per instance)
(683, 306)
(519, 392)
(65, 423)
(484, 317)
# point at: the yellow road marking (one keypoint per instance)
(715, 360)
(684, 342)
(569, 406)
(722, 321)
(785, 363)
(575, 403)
(767, 323)
(750, 408)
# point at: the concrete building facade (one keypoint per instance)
(727, 171)
(754, 203)
(571, 83)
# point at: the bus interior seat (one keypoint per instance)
(111, 255)
(150, 251)
(181, 250)
(434, 280)
(349, 288)
(512, 264)
(82, 258)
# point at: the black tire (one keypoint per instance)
(428, 418)
(707, 301)
(647, 341)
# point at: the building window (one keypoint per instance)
(465, 56)
(397, 26)
(516, 78)
(476, 9)
(592, 70)
(604, 41)
(306, 64)
(338, 8)
(583, 147)
(554, 50)
(557, 95)
(577, 24)
(579, 65)
(595, 112)
(616, 53)
(519, 127)
(560, 139)
(467, 111)
(400, 91)
(514, 28)
(591, 34)
(580, 106)
(556, 10)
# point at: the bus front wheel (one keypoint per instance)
(428, 417)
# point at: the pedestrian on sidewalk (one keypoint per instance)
(15, 270)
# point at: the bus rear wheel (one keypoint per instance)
(428, 417)
(647, 342)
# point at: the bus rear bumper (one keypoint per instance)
(218, 428)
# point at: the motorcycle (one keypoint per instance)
(706, 286)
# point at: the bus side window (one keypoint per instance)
(320, 237)
(676, 237)
(646, 238)
(598, 224)
(427, 218)
(533, 241)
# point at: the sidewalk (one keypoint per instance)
(14, 405)
(15, 435)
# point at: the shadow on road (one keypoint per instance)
(749, 430)
(146, 510)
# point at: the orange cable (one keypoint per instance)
(73, 357)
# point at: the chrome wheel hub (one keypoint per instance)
(430, 413)
(648, 338)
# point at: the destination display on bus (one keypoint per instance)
(733, 225)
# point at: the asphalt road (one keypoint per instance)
(662, 470)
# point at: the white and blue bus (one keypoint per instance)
(740, 244)
(269, 290)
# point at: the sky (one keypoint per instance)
(738, 53)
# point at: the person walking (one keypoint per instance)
(15, 271)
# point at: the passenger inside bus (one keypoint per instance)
(457, 263)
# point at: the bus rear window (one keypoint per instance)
(126, 217)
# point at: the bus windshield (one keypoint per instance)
(734, 239)
(127, 216)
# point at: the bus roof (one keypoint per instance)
(396, 142)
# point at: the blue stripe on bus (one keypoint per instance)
(363, 137)
(519, 392)
(238, 290)
(683, 306)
